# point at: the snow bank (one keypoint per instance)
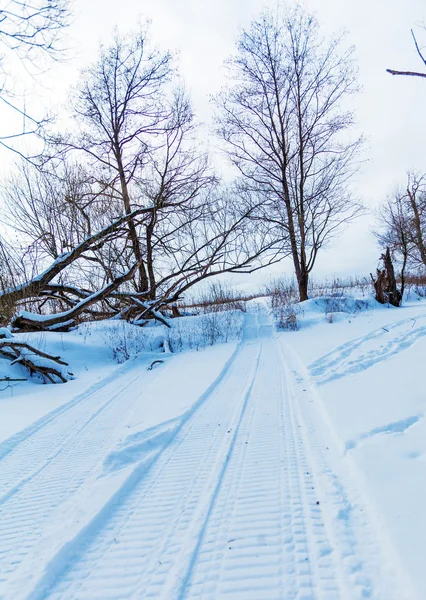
(100, 351)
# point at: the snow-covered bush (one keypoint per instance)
(329, 298)
(126, 340)
(186, 333)
(332, 297)
(284, 303)
(204, 330)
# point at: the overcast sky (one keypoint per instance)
(390, 110)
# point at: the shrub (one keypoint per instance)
(204, 330)
(284, 303)
(126, 340)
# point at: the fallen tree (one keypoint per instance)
(211, 248)
(41, 283)
(65, 320)
(52, 369)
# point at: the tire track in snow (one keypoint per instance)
(26, 455)
(260, 539)
(241, 552)
(350, 358)
(219, 523)
(368, 567)
(37, 501)
(9, 445)
(25, 517)
(135, 543)
(179, 575)
(321, 570)
(230, 521)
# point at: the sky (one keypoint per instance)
(390, 110)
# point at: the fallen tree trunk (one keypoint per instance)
(51, 368)
(64, 321)
(42, 282)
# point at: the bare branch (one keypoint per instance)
(409, 73)
(419, 52)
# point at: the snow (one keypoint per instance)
(369, 372)
(97, 354)
(276, 465)
(5, 333)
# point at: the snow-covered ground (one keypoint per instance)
(368, 375)
(281, 466)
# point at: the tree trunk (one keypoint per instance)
(394, 295)
(133, 235)
(150, 256)
(302, 282)
(404, 265)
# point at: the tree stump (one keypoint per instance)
(387, 291)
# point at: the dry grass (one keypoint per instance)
(218, 297)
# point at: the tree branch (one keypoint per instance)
(409, 73)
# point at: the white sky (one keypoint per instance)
(391, 110)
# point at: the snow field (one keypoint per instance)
(225, 473)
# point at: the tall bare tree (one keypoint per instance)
(120, 108)
(283, 119)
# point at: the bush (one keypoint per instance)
(126, 340)
(204, 330)
(284, 303)
(338, 287)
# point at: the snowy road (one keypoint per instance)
(243, 496)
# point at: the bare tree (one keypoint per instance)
(402, 225)
(120, 107)
(287, 133)
(422, 57)
(395, 231)
(415, 201)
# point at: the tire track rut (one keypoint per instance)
(143, 537)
